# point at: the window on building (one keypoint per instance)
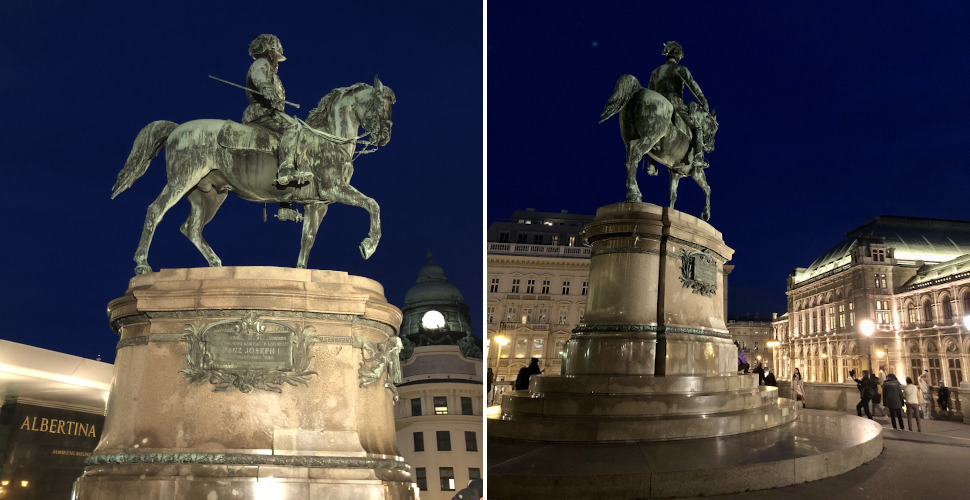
(510, 314)
(562, 315)
(503, 237)
(936, 372)
(560, 347)
(947, 308)
(927, 311)
(565, 288)
(572, 241)
(585, 287)
(851, 314)
(491, 314)
(912, 315)
(416, 407)
(444, 440)
(466, 406)
(421, 477)
(522, 238)
(526, 315)
(537, 346)
(440, 405)
(956, 371)
(879, 256)
(916, 368)
(966, 303)
(447, 478)
(471, 441)
(823, 321)
(494, 286)
(537, 239)
(831, 324)
(841, 315)
(515, 285)
(418, 441)
(530, 286)
(521, 347)
(545, 286)
(474, 473)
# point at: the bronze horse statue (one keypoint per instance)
(205, 159)
(649, 125)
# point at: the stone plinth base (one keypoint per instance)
(245, 383)
(815, 446)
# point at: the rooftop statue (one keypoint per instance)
(655, 121)
(205, 159)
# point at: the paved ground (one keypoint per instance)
(928, 465)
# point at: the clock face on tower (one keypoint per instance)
(433, 320)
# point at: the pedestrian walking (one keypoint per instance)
(877, 395)
(798, 387)
(892, 399)
(911, 396)
(490, 377)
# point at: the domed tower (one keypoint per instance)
(439, 414)
(435, 313)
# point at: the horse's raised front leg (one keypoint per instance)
(349, 195)
(312, 216)
(698, 175)
(205, 200)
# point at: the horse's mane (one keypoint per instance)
(320, 115)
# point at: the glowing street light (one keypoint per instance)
(500, 340)
(867, 328)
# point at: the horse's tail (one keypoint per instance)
(625, 88)
(149, 142)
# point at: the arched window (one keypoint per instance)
(912, 314)
(927, 311)
(966, 303)
(946, 307)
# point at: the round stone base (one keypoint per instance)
(816, 445)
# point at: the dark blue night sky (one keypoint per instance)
(80, 79)
(830, 113)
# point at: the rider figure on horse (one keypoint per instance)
(266, 101)
(668, 80)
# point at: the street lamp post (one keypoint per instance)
(868, 327)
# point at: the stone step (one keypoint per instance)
(553, 404)
(611, 428)
(640, 384)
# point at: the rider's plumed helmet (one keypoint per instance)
(673, 49)
(265, 43)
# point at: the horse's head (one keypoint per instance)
(375, 112)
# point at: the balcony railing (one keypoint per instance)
(538, 250)
(514, 325)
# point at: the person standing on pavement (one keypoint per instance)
(865, 393)
(798, 387)
(892, 398)
(926, 394)
(491, 378)
(911, 396)
(877, 395)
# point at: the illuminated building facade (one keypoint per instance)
(536, 284)
(909, 276)
(438, 416)
(753, 336)
(50, 421)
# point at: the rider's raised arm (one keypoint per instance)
(693, 86)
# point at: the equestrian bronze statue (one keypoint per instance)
(205, 159)
(655, 121)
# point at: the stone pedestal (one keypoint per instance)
(653, 363)
(246, 383)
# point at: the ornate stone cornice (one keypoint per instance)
(247, 459)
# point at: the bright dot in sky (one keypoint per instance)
(595, 44)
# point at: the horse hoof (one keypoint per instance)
(367, 249)
(706, 216)
(143, 269)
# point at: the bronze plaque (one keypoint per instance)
(263, 351)
(704, 271)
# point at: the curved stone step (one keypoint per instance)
(520, 403)
(640, 384)
(608, 428)
(816, 445)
